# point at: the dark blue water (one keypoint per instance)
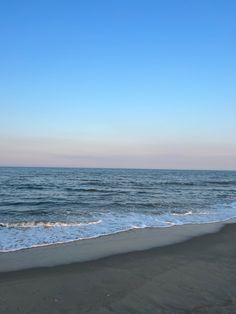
(40, 206)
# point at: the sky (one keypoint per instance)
(128, 83)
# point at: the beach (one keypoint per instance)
(181, 274)
(118, 157)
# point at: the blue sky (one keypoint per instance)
(148, 84)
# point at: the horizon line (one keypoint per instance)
(118, 168)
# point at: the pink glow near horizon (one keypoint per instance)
(127, 154)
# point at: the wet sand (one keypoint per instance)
(95, 248)
(194, 276)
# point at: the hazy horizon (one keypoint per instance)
(121, 84)
(116, 168)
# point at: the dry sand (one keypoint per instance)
(195, 276)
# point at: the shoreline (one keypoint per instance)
(193, 276)
(103, 246)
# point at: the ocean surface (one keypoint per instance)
(41, 206)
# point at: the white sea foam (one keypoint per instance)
(19, 235)
(46, 206)
(41, 224)
(183, 214)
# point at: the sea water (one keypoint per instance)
(42, 206)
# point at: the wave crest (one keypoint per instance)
(42, 224)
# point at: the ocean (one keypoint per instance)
(43, 206)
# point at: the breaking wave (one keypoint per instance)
(42, 224)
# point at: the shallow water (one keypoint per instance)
(40, 206)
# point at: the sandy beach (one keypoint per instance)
(118, 157)
(194, 276)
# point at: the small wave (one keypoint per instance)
(182, 214)
(221, 182)
(88, 190)
(94, 183)
(27, 203)
(30, 187)
(90, 181)
(42, 224)
(189, 213)
(177, 183)
(202, 213)
(25, 212)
